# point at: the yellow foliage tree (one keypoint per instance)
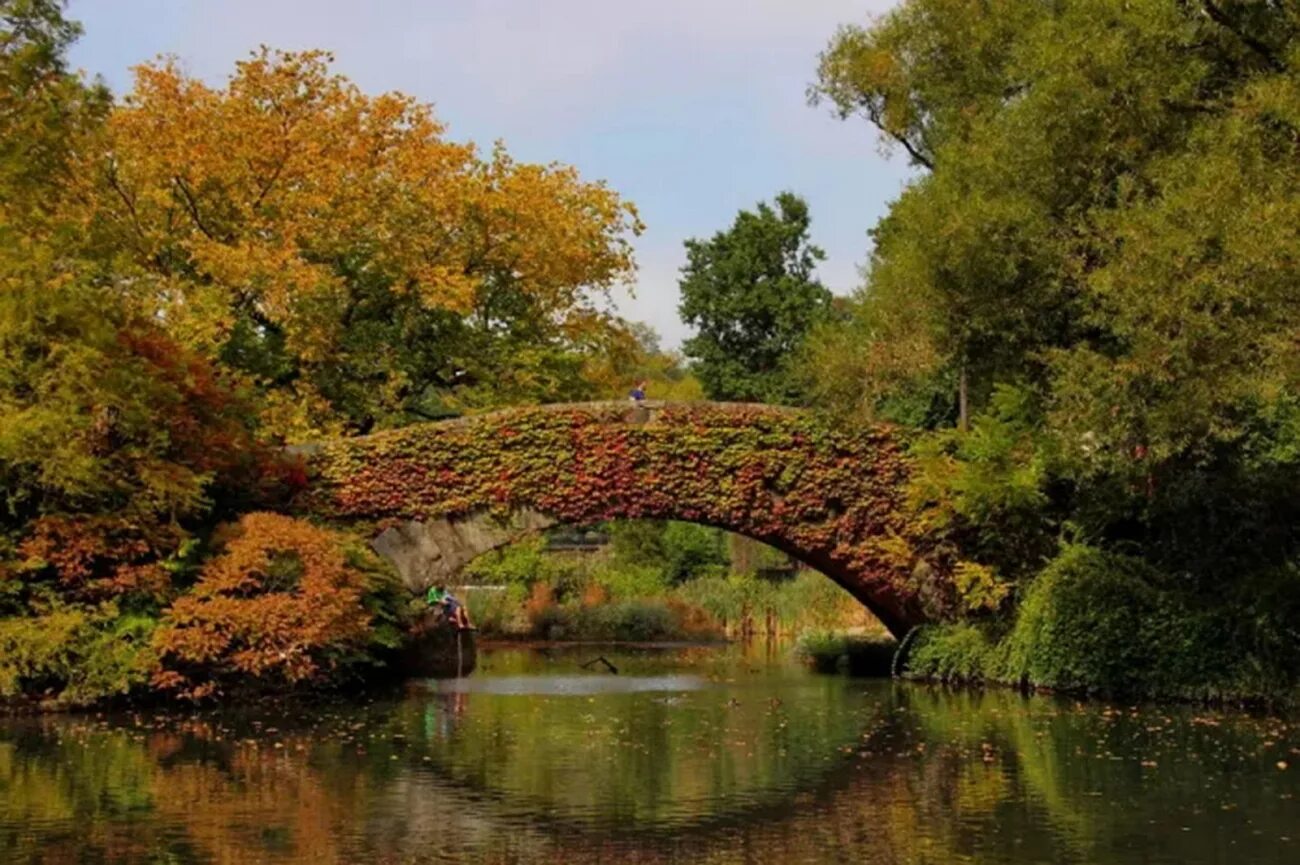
(282, 208)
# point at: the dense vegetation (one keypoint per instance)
(191, 276)
(1090, 295)
(654, 581)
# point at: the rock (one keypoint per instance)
(438, 651)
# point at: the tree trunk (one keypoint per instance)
(963, 409)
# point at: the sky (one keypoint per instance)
(691, 109)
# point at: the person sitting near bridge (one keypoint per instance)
(453, 610)
(638, 392)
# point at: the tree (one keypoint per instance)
(44, 109)
(338, 251)
(1104, 240)
(631, 353)
(751, 295)
(115, 441)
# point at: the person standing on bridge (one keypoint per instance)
(638, 392)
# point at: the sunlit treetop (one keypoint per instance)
(282, 201)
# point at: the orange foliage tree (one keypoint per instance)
(279, 223)
(282, 603)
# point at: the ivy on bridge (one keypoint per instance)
(832, 498)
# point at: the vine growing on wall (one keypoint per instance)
(832, 498)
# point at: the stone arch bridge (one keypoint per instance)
(434, 496)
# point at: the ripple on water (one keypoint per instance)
(543, 686)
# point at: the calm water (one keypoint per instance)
(689, 755)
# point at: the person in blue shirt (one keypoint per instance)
(638, 392)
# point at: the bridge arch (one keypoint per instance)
(435, 495)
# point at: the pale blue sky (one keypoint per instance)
(692, 109)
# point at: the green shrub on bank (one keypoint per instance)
(519, 564)
(73, 656)
(810, 601)
(498, 610)
(953, 653)
(855, 654)
(635, 620)
(1103, 623)
(625, 582)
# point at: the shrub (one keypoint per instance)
(809, 601)
(1083, 623)
(97, 557)
(499, 611)
(75, 656)
(1100, 622)
(953, 653)
(285, 602)
(522, 563)
(638, 620)
(624, 582)
(856, 654)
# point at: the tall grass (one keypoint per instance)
(597, 597)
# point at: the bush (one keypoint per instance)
(286, 602)
(522, 563)
(1099, 622)
(638, 620)
(1086, 623)
(1103, 622)
(75, 656)
(624, 582)
(498, 611)
(953, 653)
(810, 601)
(856, 654)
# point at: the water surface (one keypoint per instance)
(710, 755)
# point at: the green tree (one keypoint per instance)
(45, 110)
(1094, 276)
(751, 296)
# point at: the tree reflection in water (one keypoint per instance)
(761, 763)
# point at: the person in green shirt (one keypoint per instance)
(452, 610)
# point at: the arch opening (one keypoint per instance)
(711, 582)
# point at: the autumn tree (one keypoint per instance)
(283, 603)
(630, 353)
(751, 295)
(337, 249)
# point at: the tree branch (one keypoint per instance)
(912, 150)
(1217, 14)
(192, 206)
(126, 199)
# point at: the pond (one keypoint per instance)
(687, 754)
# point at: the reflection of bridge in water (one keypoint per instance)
(530, 819)
(438, 495)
